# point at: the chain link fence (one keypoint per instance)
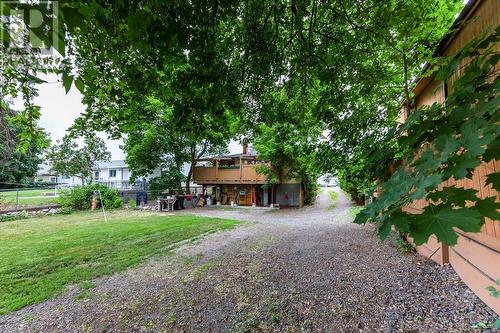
(21, 196)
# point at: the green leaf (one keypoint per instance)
(80, 85)
(401, 221)
(384, 228)
(35, 79)
(362, 217)
(474, 138)
(461, 166)
(440, 221)
(497, 324)
(425, 183)
(427, 161)
(493, 179)
(447, 144)
(454, 195)
(446, 72)
(67, 82)
(488, 208)
(490, 289)
(497, 281)
(493, 151)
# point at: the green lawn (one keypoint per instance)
(28, 197)
(354, 210)
(333, 198)
(39, 256)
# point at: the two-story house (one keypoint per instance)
(235, 177)
(116, 174)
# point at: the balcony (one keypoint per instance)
(242, 174)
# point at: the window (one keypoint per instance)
(112, 173)
(96, 175)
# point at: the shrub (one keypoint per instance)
(168, 181)
(80, 198)
(65, 210)
(399, 242)
(132, 204)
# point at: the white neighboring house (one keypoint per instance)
(47, 176)
(115, 174)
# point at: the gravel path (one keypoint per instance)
(289, 271)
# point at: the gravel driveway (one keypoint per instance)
(285, 271)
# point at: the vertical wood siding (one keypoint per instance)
(476, 257)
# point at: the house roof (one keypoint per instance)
(112, 164)
(250, 155)
(469, 7)
(46, 174)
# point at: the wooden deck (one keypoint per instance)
(243, 174)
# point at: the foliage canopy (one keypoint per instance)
(315, 85)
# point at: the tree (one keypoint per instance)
(181, 108)
(22, 141)
(18, 165)
(354, 60)
(160, 144)
(287, 136)
(66, 158)
(224, 65)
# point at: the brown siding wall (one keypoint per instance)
(244, 200)
(485, 18)
(432, 93)
(476, 257)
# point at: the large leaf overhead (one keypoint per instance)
(440, 221)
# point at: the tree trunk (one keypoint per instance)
(272, 195)
(194, 156)
(189, 175)
(305, 190)
(405, 79)
(82, 179)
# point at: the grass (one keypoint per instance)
(354, 210)
(333, 197)
(202, 270)
(29, 197)
(40, 256)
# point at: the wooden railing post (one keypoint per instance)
(241, 168)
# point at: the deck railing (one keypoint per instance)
(243, 174)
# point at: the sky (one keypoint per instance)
(59, 110)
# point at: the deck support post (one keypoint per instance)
(254, 203)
